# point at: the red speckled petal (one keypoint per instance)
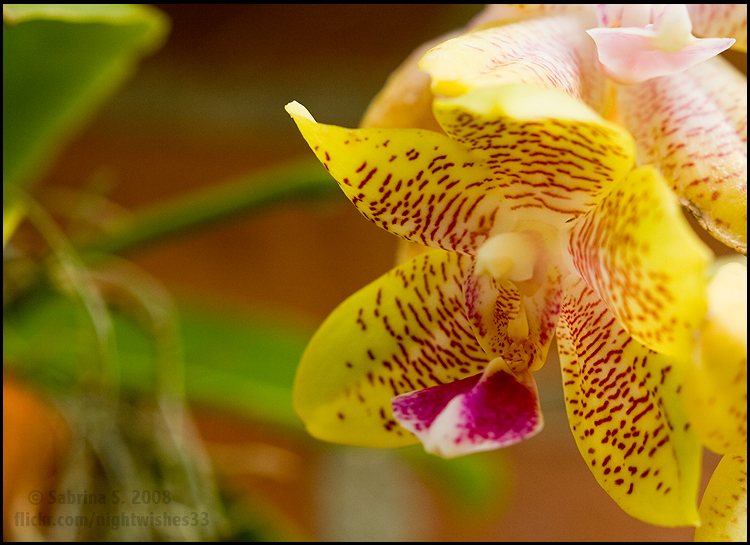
(550, 157)
(550, 52)
(723, 508)
(693, 126)
(645, 262)
(405, 331)
(417, 184)
(626, 413)
(720, 20)
(479, 413)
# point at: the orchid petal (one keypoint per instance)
(637, 251)
(550, 52)
(405, 331)
(723, 509)
(417, 184)
(716, 386)
(693, 126)
(626, 414)
(475, 414)
(726, 20)
(550, 156)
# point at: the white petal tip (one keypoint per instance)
(295, 109)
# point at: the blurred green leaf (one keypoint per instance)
(476, 485)
(241, 365)
(60, 62)
(245, 365)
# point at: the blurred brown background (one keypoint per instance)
(209, 106)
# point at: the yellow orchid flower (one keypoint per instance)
(541, 222)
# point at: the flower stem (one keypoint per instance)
(306, 180)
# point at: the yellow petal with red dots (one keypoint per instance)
(549, 156)
(716, 386)
(723, 508)
(626, 413)
(417, 184)
(406, 331)
(637, 251)
(693, 127)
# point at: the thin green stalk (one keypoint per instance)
(306, 180)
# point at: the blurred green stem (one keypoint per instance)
(306, 180)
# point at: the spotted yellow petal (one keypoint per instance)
(723, 509)
(405, 331)
(626, 414)
(551, 52)
(550, 157)
(693, 127)
(414, 183)
(716, 386)
(637, 251)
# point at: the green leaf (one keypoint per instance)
(60, 62)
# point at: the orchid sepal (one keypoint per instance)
(728, 20)
(420, 196)
(516, 53)
(626, 414)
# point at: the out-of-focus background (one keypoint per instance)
(209, 106)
